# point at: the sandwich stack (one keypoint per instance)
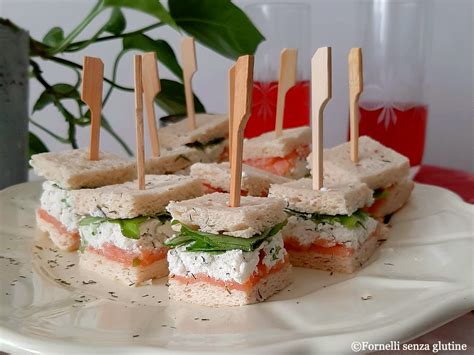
(327, 229)
(198, 138)
(384, 170)
(363, 159)
(282, 152)
(228, 249)
(76, 169)
(124, 226)
(216, 177)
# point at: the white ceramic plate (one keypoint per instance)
(418, 280)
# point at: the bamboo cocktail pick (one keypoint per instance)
(231, 106)
(286, 80)
(151, 88)
(320, 95)
(92, 77)
(240, 116)
(140, 149)
(356, 85)
(188, 52)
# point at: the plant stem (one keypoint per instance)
(73, 47)
(114, 75)
(78, 66)
(106, 125)
(52, 134)
(88, 19)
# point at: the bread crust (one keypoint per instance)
(268, 145)
(67, 241)
(129, 275)
(378, 166)
(212, 214)
(206, 294)
(72, 169)
(126, 201)
(208, 127)
(255, 182)
(396, 199)
(344, 264)
(342, 199)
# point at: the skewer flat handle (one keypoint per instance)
(321, 91)
(92, 82)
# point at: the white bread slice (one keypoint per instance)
(212, 214)
(337, 263)
(208, 128)
(397, 197)
(255, 182)
(172, 160)
(334, 199)
(268, 145)
(378, 165)
(206, 294)
(61, 238)
(126, 201)
(72, 169)
(129, 275)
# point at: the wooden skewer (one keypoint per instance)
(241, 113)
(320, 95)
(92, 78)
(151, 88)
(140, 150)
(231, 107)
(188, 51)
(286, 80)
(356, 85)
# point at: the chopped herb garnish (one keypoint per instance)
(202, 146)
(218, 243)
(353, 221)
(136, 262)
(184, 157)
(130, 227)
(90, 282)
(380, 194)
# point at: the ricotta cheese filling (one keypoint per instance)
(300, 169)
(152, 235)
(58, 203)
(307, 232)
(233, 265)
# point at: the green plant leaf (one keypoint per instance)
(171, 98)
(219, 25)
(35, 145)
(59, 91)
(54, 37)
(164, 52)
(150, 7)
(117, 23)
(201, 241)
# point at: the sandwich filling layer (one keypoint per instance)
(290, 165)
(332, 234)
(221, 260)
(131, 242)
(58, 204)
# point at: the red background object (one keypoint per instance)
(458, 181)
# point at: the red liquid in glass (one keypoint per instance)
(401, 130)
(264, 100)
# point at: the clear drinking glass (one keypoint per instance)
(284, 25)
(396, 35)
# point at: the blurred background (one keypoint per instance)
(448, 64)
